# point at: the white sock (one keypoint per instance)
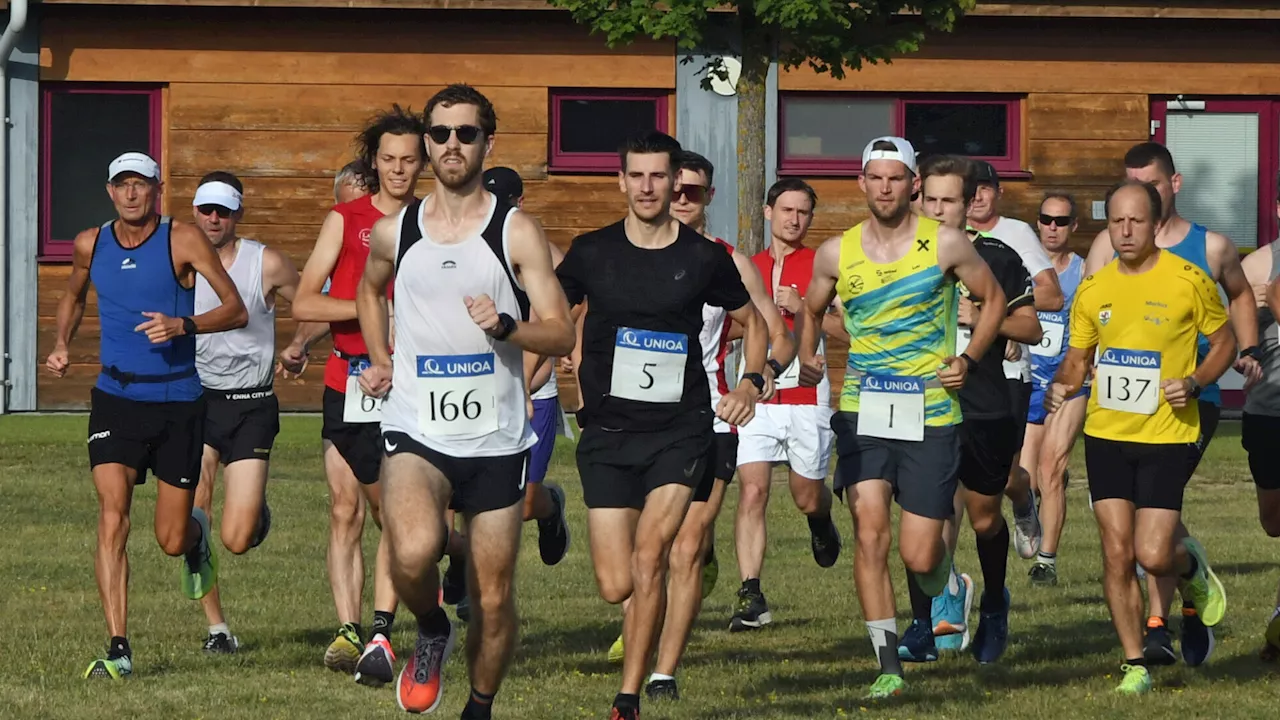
(879, 629)
(953, 582)
(659, 676)
(220, 628)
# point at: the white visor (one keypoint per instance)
(217, 193)
(903, 152)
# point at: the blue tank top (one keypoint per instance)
(1194, 249)
(1057, 331)
(131, 281)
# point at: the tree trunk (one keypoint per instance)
(751, 137)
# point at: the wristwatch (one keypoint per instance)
(756, 379)
(507, 325)
(1251, 351)
(973, 364)
(188, 326)
(1193, 387)
(776, 366)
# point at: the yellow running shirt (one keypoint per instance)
(1145, 329)
(901, 320)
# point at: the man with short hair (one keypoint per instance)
(393, 146)
(1218, 258)
(454, 428)
(1050, 436)
(896, 437)
(795, 425)
(242, 415)
(1142, 313)
(349, 183)
(146, 409)
(648, 419)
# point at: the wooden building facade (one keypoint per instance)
(275, 92)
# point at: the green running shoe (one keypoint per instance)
(1137, 680)
(112, 669)
(345, 650)
(616, 651)
(1204, 590)
(199, 565)
(887, 685)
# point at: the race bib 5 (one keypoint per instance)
(648, 366)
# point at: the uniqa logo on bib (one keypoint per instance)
(892, 384)
(653, 341)
(455, 365)
(1131, 358)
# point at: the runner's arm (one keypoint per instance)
(833, 322)
(1241, 305)
(1101, 252)
(817, 298)
(1073, 368)
(538, 368)
(1078, 361)
(371, 291)
(1273, 299)
(1047, 290)
(552, 334)
(190, 247)
(1256, 267)
(1211, 321)
(310, 304)
(71, 305)
(782, 346)
(279, 275)
(1021, 324)
(957, 255)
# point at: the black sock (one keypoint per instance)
(118, 648)
(358, 630)
(752, 585)
(479, 706)
(921, 604)
(1140, 662)
(1191, 571)
(434, 622)
(623, 701)
(820, 524)
(993, 554)
(382, 622)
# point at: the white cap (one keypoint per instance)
(217, 193)
(903, 153)
(134, 162)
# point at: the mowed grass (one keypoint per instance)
(814, 661)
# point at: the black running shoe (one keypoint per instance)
(1157, 646)
(221, 644)
(826, 545)
(264, 525)
(752, 611)
(553, 533)
(454, 582)
(662, 690)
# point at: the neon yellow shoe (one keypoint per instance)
(616, 651)
(345, 650)
(887, 686)
(1137, 680)
(1271, 648)
(199, 565)
(117, 669)
(1205, 590)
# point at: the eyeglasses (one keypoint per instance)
(1057, 220)
(692, 193)
(467, 134)
(218, 210)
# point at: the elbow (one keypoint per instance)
(301, 309)
(1053, 303)
(241, 318)
(566, 342)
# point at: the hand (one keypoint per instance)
(160, 328)
(58, 361)
(375, 381)
(1055, 396)
(1176, 392)
(955, 372)
(1250, 368)
(1012, 351)
(483, 313)
(812, 371)
(968, 313)
(788, 298)
(770, 387)
(293, 359)
(566, 365)
(739, 406)
(528, 407)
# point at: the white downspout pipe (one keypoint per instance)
(17, 21)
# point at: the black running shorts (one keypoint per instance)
(1020, 394)
(480, 484)
(360, 444)
(1145, 474)
(241, 424)
(723, 463)
(1260, 437)
(619, 469)
(987, 448)
(922, 474)
(165, 438)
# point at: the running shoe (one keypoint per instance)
(1026, 530)
(1271, 645)
(887, 686)
(1043, 575)
(625, 714)
(662, 690)
(950, 614)
(377, 663)
(264, 526)
(826, 545)
(616, 651)
(454, 582)
(345, 650)
(110, 669)
(1198, 641)
(710, 572)
(199, 565)
(553, 533)
(752, 611)
(1137, 680)
(420, 687)
(221, 644)
(917, 644)
(993, 634)
(1157, 645)
(1204, 590)
(463, 609)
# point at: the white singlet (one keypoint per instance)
(243, 358)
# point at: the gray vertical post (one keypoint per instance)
(23, 189)
(770, 137)
(707, 123)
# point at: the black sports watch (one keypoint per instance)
(756, 379)
(1251, 351)
(188, 326)
(506, 325)
(973, 364)
(1193, 387)
(776, 366)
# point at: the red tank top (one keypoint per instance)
(358, 217)
(797, 271)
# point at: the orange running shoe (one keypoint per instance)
(420, 687)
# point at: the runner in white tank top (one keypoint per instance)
(454, 425)
(236, 368)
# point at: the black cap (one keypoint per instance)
(504, 182)
(986, 174)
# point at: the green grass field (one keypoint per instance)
(814, 661)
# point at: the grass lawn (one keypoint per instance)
(814, 661)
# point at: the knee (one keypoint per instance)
(494, 597)
(614, 589)
(754, 496)
(808, 497)
(346, 512)
(648, 566)
(1117, 555)
(687, 550)
(920, 558)
(986, 524)
(873, 541)
(412, 557)
(236, 540)
(172, 538)
(1155, 559)
(1270, 518)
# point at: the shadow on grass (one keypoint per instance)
(1244, 568)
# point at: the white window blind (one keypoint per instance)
(1217, 154)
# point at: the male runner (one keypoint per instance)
(1258, 430)
(393, 147)
(795, 425)
(455, 430)
(1218, 258)
(648, 420)
(348, 184)
(988, 432)
(242, 415)
(984, 216)
(691, 574)
(146, 410)
(1142, 313)
(1050, 436)
(895, 430)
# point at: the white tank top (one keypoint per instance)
(243, 358)
(453, 388)
(548, 389)
(715, 346)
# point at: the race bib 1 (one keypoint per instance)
(456, 395)
(1051, 344)
(1128, 380)
(648, 366)
(358, 407)
(963, 336)
(892, 407)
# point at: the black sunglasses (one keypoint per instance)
(218, 210)
(467, 134)
(694, 193)
(1058, 220)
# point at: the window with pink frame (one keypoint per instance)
(824, 133)
(587, 126)
(83, 128)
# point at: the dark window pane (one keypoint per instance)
(86, 132)
(600, 126)
(833, 127)
(980, 130)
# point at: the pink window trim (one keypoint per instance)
(575, 162)
(59, 250)
(1008, 166)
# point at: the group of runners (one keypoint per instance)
(978, 350)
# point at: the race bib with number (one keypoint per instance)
(358, 407)
(1051, 344)
(1128, 381)
(456, 395)
(648, 366)
(790, 377)
(963, 336)
(892, 407)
